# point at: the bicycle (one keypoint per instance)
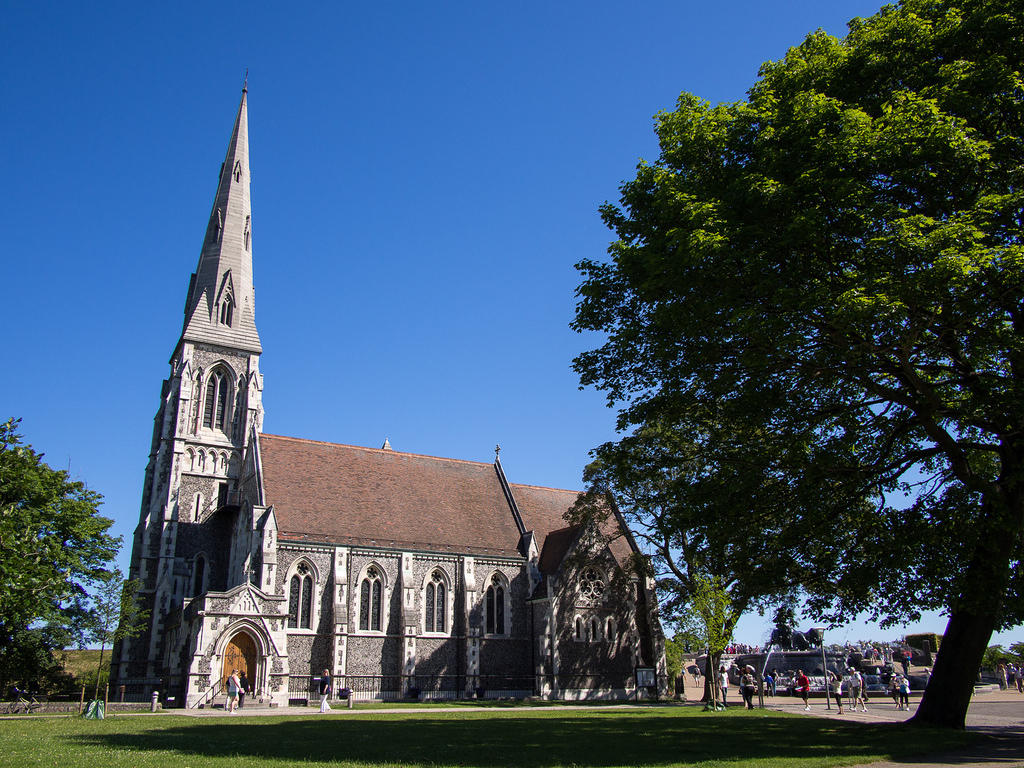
(21, 704)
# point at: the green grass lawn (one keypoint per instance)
(525, 738)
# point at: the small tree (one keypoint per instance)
(712, 619)
(117, 615)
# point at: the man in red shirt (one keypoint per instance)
(803, 686)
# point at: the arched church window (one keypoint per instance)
(306, 608)
(435, 611)
(300, 598)
(215, 406)
(494, 608)
(227, 307)
(294, 588)
(579, 628)
(610, 631)
(595, 631)
(371, 593)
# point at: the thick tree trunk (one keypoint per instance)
(975, 611)
(949, 691)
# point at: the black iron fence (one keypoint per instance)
(134, 690)
(303, 689)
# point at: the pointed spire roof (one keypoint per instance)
(221, 304)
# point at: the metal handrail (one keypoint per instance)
(208, 696)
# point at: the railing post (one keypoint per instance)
(153, 703)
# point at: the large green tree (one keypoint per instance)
(53, 546)
(836, 263)
(706, 515)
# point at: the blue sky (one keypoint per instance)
(424, 178)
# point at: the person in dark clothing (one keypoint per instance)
(243, 689)
(748, 687)
(325, 690)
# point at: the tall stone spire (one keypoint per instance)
(221, 305)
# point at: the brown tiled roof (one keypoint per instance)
(556, 544)
(543, 509)
(543, 512)
(344, 494)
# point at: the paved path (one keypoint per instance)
(999, 714)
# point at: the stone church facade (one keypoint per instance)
(404, 575)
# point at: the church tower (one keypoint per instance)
(210, 409)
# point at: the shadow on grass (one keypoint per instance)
(506, 739)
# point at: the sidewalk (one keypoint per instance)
(999, 714)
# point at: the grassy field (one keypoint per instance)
(518, 738)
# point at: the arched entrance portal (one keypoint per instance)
(241, 654)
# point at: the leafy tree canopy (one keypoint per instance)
(834, 266)
(53, 546)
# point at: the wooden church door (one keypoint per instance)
(240, 654)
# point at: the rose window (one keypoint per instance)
(591, 585)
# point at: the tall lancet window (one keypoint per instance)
(370, 598)
(227, 308)
(227, 299)
(247, 218)
(300, 598)
(434, 604)
(215, 406)
(494, 608)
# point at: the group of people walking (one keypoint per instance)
(851, 684)
(1011, 676)
(748, 685)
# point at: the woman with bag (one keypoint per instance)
(904, 693)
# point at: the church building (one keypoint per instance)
(404, 575)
